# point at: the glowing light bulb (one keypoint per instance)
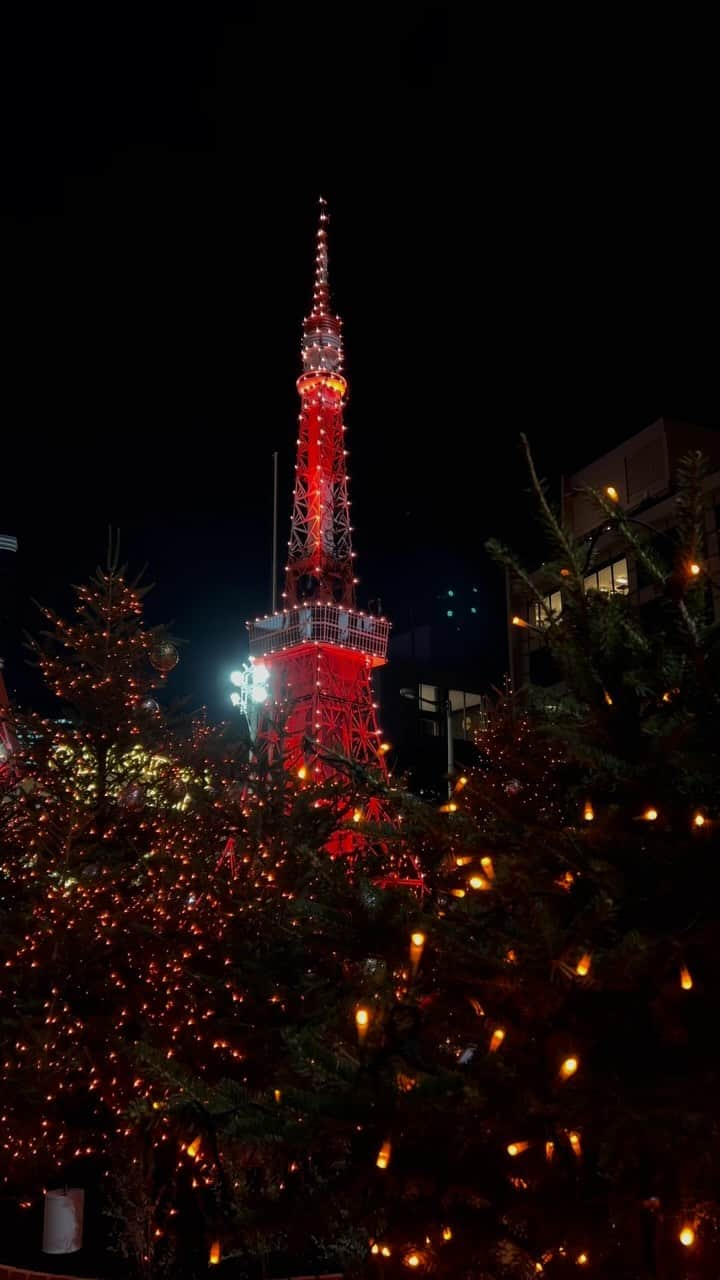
(497, 1038)
(383, 1156)
(582, 1259)
(612, 493)
(549, 1151)
(194, 1147)
(302, 772)
(699, 819)
(518, 621)
(450, 807)
(588, 812)
(687, 1236)
(569, 1067)
(385, 747)
(686, 981)
(214, 1257)
(607, 697)
(575, 1143)
(357, 815)
(478, 882)
(650, 815)
(693, 569)
(278, 1095)
(417, 942)
(487, 865)
(517, 1148)
(447, 1233)
(362, 1022)
(582, 968)
(412, 1260)
(385, 1251)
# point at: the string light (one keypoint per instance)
(414, 1259)
(497, 1038)
(478, 882)
(549, 1151)
(517, 1148)
(569, 1067)
(447, 1233)
(517, 621)
(487, 865)
(362, 1022)
(588, 812)
(694, 569)
(575, 1143)
(214, 1257)
(686, 981)
(582, 968)
(612, 493)
(417, 943)
(582, 1259)
(699, 819)
(650, 815)
(687, 1236)
(383, 1156)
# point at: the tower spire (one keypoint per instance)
(320, 562)
(321, 295)
(322, 330)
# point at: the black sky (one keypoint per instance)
(523, 237)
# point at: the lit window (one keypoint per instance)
(621, 581)
(428, 697)
(551, 604)
(613, 578)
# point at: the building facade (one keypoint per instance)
(643, 472)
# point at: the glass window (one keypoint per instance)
(611, 578)
(621, 581)
(539, 613)
(428, 697)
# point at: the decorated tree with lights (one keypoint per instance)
(286, 1062)
(512, 1073)
(114, 811)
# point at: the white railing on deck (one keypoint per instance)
(320, 624)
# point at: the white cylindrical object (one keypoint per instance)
(63, 1222)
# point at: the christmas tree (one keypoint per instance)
(512, 1073)
(286, 1062)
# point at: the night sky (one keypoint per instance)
(523, 237)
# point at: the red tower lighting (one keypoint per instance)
(320, 651)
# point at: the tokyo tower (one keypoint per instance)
(315, 657)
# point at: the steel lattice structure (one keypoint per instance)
(320, 651)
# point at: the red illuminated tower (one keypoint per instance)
(320, 651)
